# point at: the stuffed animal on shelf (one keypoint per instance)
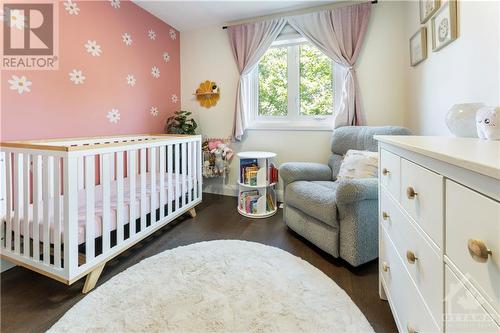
(487, 123)
(227, 153)
(216, 157)
(219, 162)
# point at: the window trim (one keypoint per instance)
(293, 120)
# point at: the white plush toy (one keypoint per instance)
(487, 123)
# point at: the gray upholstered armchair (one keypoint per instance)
(338, 217)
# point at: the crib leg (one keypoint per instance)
(92, 278)
(192, 212)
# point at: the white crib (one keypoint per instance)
(70, 205)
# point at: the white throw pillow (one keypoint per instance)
(358, 164)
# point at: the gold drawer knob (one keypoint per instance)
(411, 329)
(478, 250)
(410, 193)
(385, 216)
(385, 266)
(411, 257)
(385, 172)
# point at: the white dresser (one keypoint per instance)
(439, 231)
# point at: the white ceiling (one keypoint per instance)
(191, 15)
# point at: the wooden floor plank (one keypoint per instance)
(25, 294)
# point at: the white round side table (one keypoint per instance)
(257, 179)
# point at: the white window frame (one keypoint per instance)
(294, 120)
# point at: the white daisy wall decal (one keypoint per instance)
(71, 7)
(166, 56)
(174, 98)
(93, 48)
(17, 18)
(155, 71)
(127, 39)
(113, 116)
(172, 34)
(154, 111)
(21, 84)
(76, 76)
(152, 34)
(115, 3)
(131, 80)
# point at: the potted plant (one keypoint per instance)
(179, 123)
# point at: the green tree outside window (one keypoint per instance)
(315, 82)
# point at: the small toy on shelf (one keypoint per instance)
(488, 119)
(208, 94)
(216, 157)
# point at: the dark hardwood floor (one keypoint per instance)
(31, 302)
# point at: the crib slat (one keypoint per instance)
(112, 173)
(198, 163)
(195, 170)
(119, 197)
(37, 198)
(131, 175)
(143, 188)
(51, 182)
(184, 172)
(57, 212)
(3, 195)
(48, 171)
(190, 171)
(70, 220)
(177, 176)
(152, 173)
(26, 206)
(81, 173)
(8, 228)
(18, 199)
(169, 179)
(106, 205)
(89, 208)
(162, 181)
(99, 163)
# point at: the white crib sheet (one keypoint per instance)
(113, 202)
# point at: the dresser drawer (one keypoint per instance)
(390, 172)
(420, 259)
(463, 312)
(422, 198)
(408, 306)
(474, 220)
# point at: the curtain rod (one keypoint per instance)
(298, 12)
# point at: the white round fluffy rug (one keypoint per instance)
(217, 286)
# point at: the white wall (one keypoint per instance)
(467, 70)
(206, 55)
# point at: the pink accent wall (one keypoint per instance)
(57, 107)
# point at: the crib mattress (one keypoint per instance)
(98, 206)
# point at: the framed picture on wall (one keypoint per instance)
(427, 8)
(444, 25)
(418, 46)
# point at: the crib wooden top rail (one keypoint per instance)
(89, 143)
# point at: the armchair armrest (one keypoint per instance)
(294, 171)
(354, 190)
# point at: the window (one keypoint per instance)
(294, 87)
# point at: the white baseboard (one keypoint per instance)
(5, 265)
(223, 189)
